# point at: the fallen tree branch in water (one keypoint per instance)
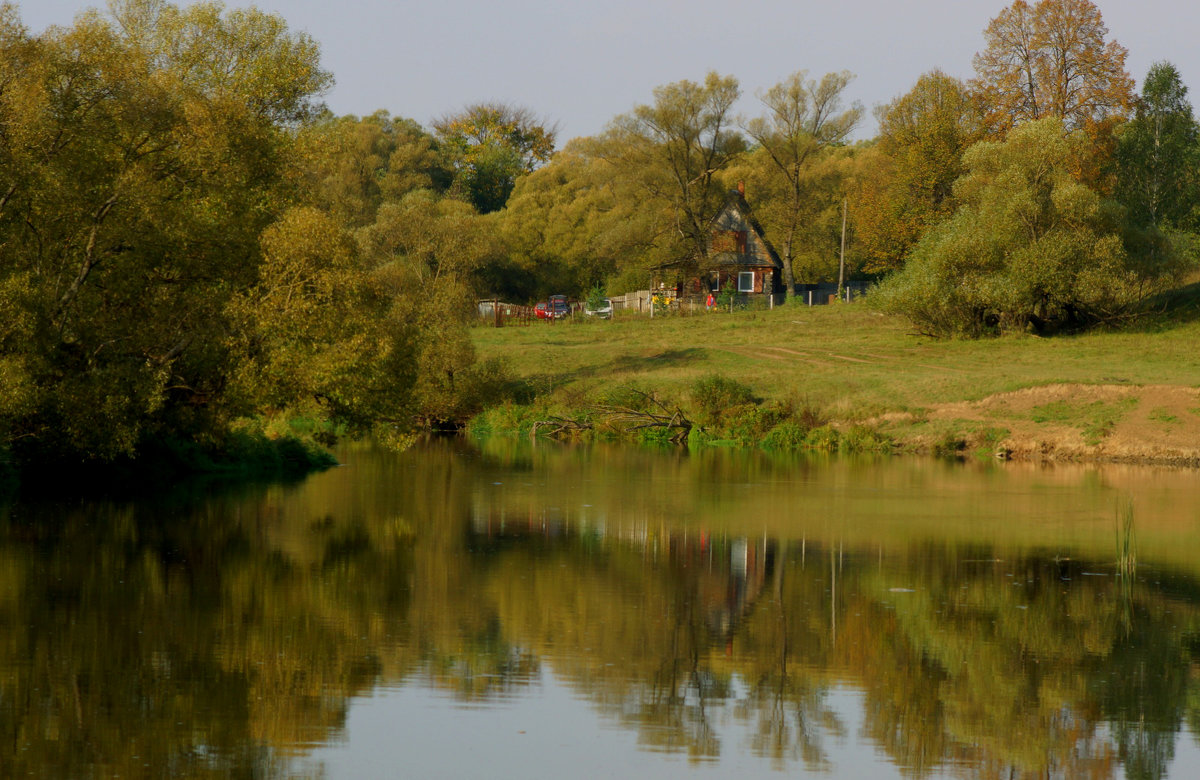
(559, 425)
(670, 418)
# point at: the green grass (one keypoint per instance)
(1095, 420)
(845, 359)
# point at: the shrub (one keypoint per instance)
(726, 295)
(787, 436)
(748, 423)
(595, 298)
(714, 396)
(949, 445)
(824, 439)
(862, 438)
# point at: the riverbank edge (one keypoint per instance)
(1162, 435)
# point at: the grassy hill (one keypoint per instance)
(1124, 394)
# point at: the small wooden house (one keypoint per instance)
(739, 253)
(738, 256)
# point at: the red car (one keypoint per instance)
(555, 309)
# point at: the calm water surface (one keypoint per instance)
(450, 612)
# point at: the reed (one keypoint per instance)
(1126, 542)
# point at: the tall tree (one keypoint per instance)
(490, 146)
(803, 117)
(675, 148)
(572, 224)
(426, 249)
(322, 332)
(1158, 154)
(1052, 60)
(351, 165)
(922, 136)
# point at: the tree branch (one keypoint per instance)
(89, 257)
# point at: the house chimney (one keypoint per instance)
(742, 188)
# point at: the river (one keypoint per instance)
(509, 611)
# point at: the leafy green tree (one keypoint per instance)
(814, 220)
(143, 155)
(577, 222)
(350, 166)
(490, 146)
(429, 249)
(803, 117)
(1158, 154)
(674, 150)
(322, 332)
(1029, 247)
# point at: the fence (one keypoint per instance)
(499, 314)
(810, 294)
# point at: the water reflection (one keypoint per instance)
(714, 607)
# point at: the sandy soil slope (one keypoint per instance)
(1154, 423)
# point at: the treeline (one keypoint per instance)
(193, 248)
(1041, 194)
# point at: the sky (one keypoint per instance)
(577, 65)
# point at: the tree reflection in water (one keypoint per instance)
(221, 637)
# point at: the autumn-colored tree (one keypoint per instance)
(922, 137)
(490, 146)
(1052, 60)
(803, 116)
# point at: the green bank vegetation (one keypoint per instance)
(193, 249)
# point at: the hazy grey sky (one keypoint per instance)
(581, 64)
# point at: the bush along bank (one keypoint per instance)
(715, 412)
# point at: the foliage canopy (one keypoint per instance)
(1030, 246)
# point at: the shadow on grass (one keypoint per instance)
(1168, 310)
(525, 389)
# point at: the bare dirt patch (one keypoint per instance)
(1151, 423)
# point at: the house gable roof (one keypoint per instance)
(736, 215)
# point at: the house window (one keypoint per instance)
(745, 281)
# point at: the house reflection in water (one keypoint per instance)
(728, 573)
